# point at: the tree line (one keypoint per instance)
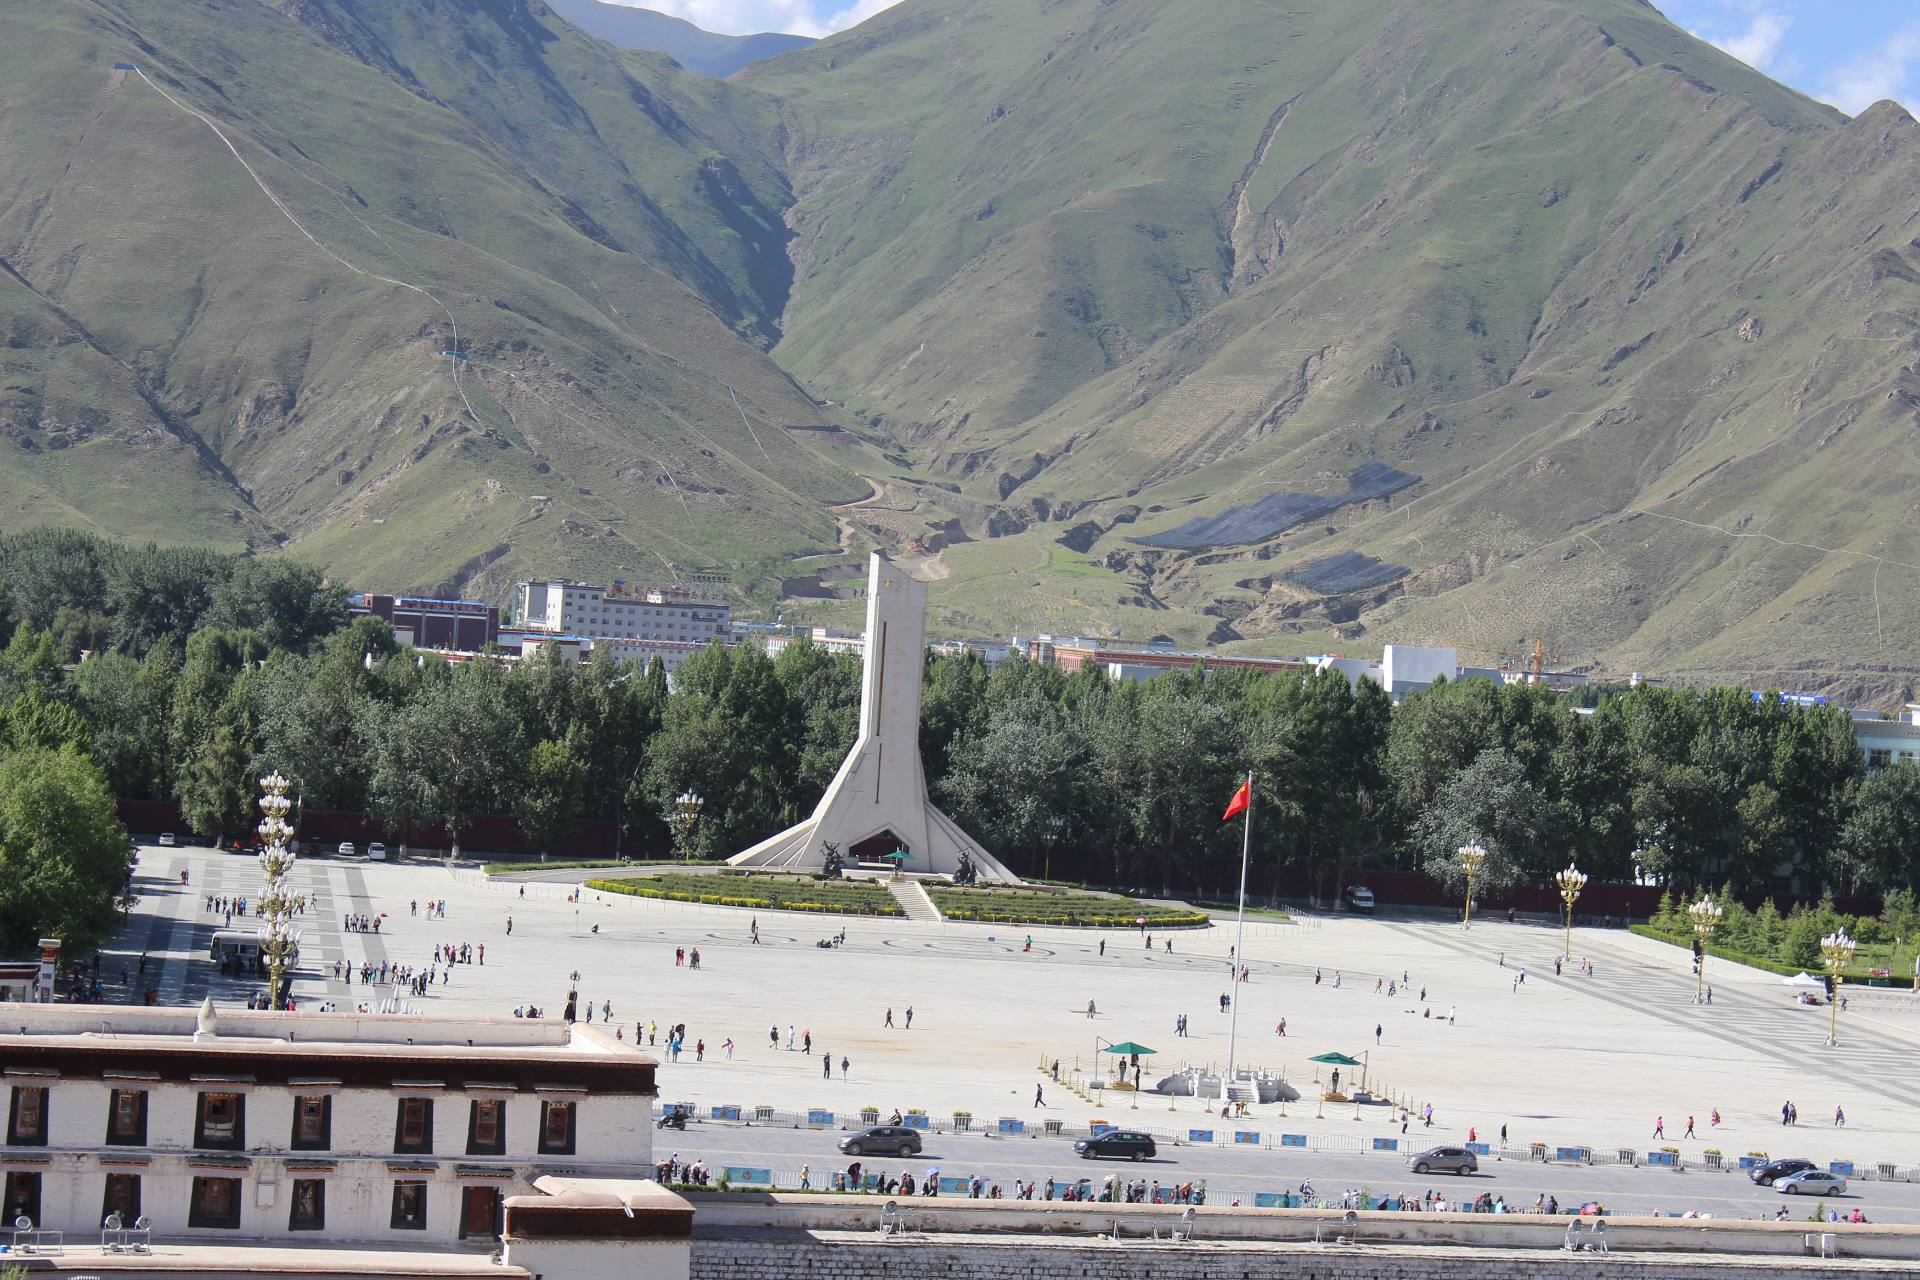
(1111, 781)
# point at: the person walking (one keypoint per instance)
(826, 1067)
(1839, 1118)
(889, 1021)
(845, 1067)
(1689, 1132)
(1659, 1126)
(1039, 1096)
(1376, 1033)
(909, 1017)
(727, 1044)
(1103, 946)
(806, 1041)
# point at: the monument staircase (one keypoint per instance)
(913, 900)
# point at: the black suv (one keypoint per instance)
(880, 1139)
(1768, 1174)
(1117, 1144)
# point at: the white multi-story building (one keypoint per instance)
(693, 614)
(307, 1126)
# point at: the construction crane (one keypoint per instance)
(1534, 660)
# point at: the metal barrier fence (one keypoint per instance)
(1262, 1134)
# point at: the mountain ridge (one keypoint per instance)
(706, 53)
(1043, 282)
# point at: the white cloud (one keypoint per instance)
(1760, 41)
(1879, 73)
(740, 17)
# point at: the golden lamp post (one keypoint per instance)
(1471, 856)
(1706, 914)
(1571, 882)
(1837, 948)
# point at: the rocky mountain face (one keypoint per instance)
(1117, 311)
(1642, 321)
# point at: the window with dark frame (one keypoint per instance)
(413, 1127)
(220, 1122)
(309, 1208)
(127, 1118)
(27, 1117)
(312, 1122)
(122, 1196)
(22, 1196)
(409, 1206)
(556, 1128)
(487, 1127)
(215, 1202)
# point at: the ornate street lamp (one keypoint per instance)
(1471, 856)
(279, 939)
(1055, 824)
(1706, 915)
(1571, 882)
(685, 818)
(1837, 948)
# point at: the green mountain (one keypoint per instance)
(233, 274)
(706, 52)
(1641, 320)
(1280, 327)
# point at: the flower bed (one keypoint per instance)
(1088, 910)
(765, 893)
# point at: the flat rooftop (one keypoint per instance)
(357, 1048)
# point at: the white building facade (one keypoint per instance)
(318, 1127)
(693, 615)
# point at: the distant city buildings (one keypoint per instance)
(693, 613)
(462, 626)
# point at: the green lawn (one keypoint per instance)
(767, 893)
(1027, 906)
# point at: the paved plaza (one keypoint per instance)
(1568, 1060)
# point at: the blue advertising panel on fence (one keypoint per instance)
(1386, 1144)
(1272, 1200)
(1842, 1167)
(1570, 1153)
(1662, 1157)
(1293, 1139)
(1752, 1162)
(1099, 1127)
(1012, 1126)
(726, 1113)
(1480, 1148)
(1199, 1135)
(955, 1186)
(748, 1177)
(914, 1120)
(1246, 1137)
(820, 1117)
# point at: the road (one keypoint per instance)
(1238, 1175)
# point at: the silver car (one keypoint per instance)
(1445, 1160)
(1812, 1182)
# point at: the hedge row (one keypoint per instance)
(715, 898)
(1073, 919)
(1854, 977)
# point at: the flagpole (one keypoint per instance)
(1239, 941)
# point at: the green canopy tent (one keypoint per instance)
(1128, 1047)
(1333, 1059)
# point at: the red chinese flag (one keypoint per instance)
(1242, 797)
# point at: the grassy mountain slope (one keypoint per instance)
(615, 412)
(706, 52)
(1109, 266)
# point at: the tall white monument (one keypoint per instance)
(878, 801)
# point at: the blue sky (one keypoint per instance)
(1850, 53)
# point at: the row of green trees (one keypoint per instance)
(1115, 781)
